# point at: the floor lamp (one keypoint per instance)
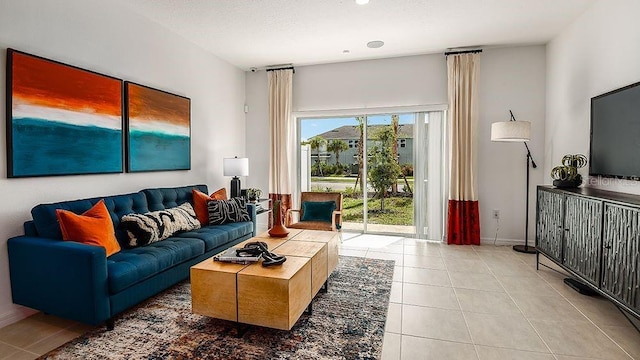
(510, 131)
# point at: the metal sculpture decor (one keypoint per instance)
(566, 175)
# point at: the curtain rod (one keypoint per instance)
(282, 68)
(456, 52)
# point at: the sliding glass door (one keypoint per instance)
(389, 173)
(330, 149)
(387, 166)
(429, 175)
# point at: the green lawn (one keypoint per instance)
(349, 180)
(398, 211)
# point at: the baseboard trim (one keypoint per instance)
(15, 315)
(501, 242)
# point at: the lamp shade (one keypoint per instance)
(511, 131)
(235, 166)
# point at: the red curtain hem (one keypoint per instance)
(463, 224)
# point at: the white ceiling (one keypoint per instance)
(259, 33)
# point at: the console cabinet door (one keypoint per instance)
(583, 229)
(621, 243)
(549, 226)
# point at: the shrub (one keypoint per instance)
(315, 169)
(349, 192)
(407, 169)
(340, 169)
(329, 169)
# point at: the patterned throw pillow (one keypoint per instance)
(154, 226)
(228, 211)
(200, 203)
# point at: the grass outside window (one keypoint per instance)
(398, 211)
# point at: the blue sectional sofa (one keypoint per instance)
(78, 282)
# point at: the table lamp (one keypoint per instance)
(235, 167)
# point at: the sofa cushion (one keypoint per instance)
(92, 227)
(215, 236)
(46, 223)
(131, 266)
(165, 198)
(158, 225)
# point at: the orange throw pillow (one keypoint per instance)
(200, 200)
(200, 206)
(93, 227)
(220, 195)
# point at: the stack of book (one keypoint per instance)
(230, 255)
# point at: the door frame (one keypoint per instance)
(297, 116)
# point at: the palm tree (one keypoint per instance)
(336, 146)
(315, 143)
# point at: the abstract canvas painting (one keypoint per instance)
(158, 129)
(61, 120)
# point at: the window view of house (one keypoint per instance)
(336, 160)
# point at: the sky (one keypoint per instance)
(312, 127)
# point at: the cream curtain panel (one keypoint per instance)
(463, 219)
(281, 135)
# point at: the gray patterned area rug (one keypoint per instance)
(347, 323)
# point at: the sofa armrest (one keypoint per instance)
(63, 278)
(251, 208)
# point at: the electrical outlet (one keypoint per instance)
(496, 214)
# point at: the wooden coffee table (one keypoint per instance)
(273, 297)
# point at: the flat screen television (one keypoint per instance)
(615, 133)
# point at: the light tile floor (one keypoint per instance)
(37, 335)
(447, 302)
(489, 302)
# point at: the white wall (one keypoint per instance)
(107, 37)
(599, 52)
(257, 136)
(414, 80)
(403, 81)
(510, 78)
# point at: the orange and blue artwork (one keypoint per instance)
(158, 129)
(62, 120)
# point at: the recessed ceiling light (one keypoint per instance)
(375, 44)
(362, 2)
